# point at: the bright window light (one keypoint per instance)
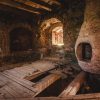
(57, 36)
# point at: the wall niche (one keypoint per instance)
(20, 39)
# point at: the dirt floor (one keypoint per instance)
(68, 61)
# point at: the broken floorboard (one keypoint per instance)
(28, 71)
(75, 85)
(14, 85)
(13, 88)
(46, 82)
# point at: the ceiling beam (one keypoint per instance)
(33, 4)
(18, 6)
(51, 2)
(41, 10)
(42, 3)
(15, 13)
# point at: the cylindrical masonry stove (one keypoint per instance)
(87, 48)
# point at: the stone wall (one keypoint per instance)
(72, 18)
(7, 24)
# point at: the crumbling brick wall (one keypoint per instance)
(6, 26)
(72, 18)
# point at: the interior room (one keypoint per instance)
(49, 49)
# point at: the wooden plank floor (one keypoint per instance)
(14, 85)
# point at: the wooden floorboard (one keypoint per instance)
(75, 85)
(33, 68)
(13, 76)
(19, 81)
(14, 85)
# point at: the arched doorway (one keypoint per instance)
(51, 36)
(52, 32)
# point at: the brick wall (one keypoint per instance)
(6, 26)
(90, 33)
(71, 18)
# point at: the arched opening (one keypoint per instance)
(52, 32)
(57, 36)
(84, 52)
(20, 39)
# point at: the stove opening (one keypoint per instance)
(84, 51)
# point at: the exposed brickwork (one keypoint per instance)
(6, 28)
(71, 19)
(90, 33)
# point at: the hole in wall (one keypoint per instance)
(84, 51)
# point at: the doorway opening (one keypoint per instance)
(52, 32)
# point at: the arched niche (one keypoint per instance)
(84, 51)
(20, 39)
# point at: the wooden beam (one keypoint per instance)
(42, 3)
(17, 13)
(75, 85)
(18, 6)
(40, 10)
(45, 82)
(52, 2)
(33, 4)
(33, 75)
(92, 96)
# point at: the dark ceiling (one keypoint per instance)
(26, 8)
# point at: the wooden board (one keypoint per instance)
(13, 83)
(28, 71)
(13, 89)
(19, 81)
(93, 96)
(46, 82)
(75, 85)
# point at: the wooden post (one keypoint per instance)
(75, 85)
